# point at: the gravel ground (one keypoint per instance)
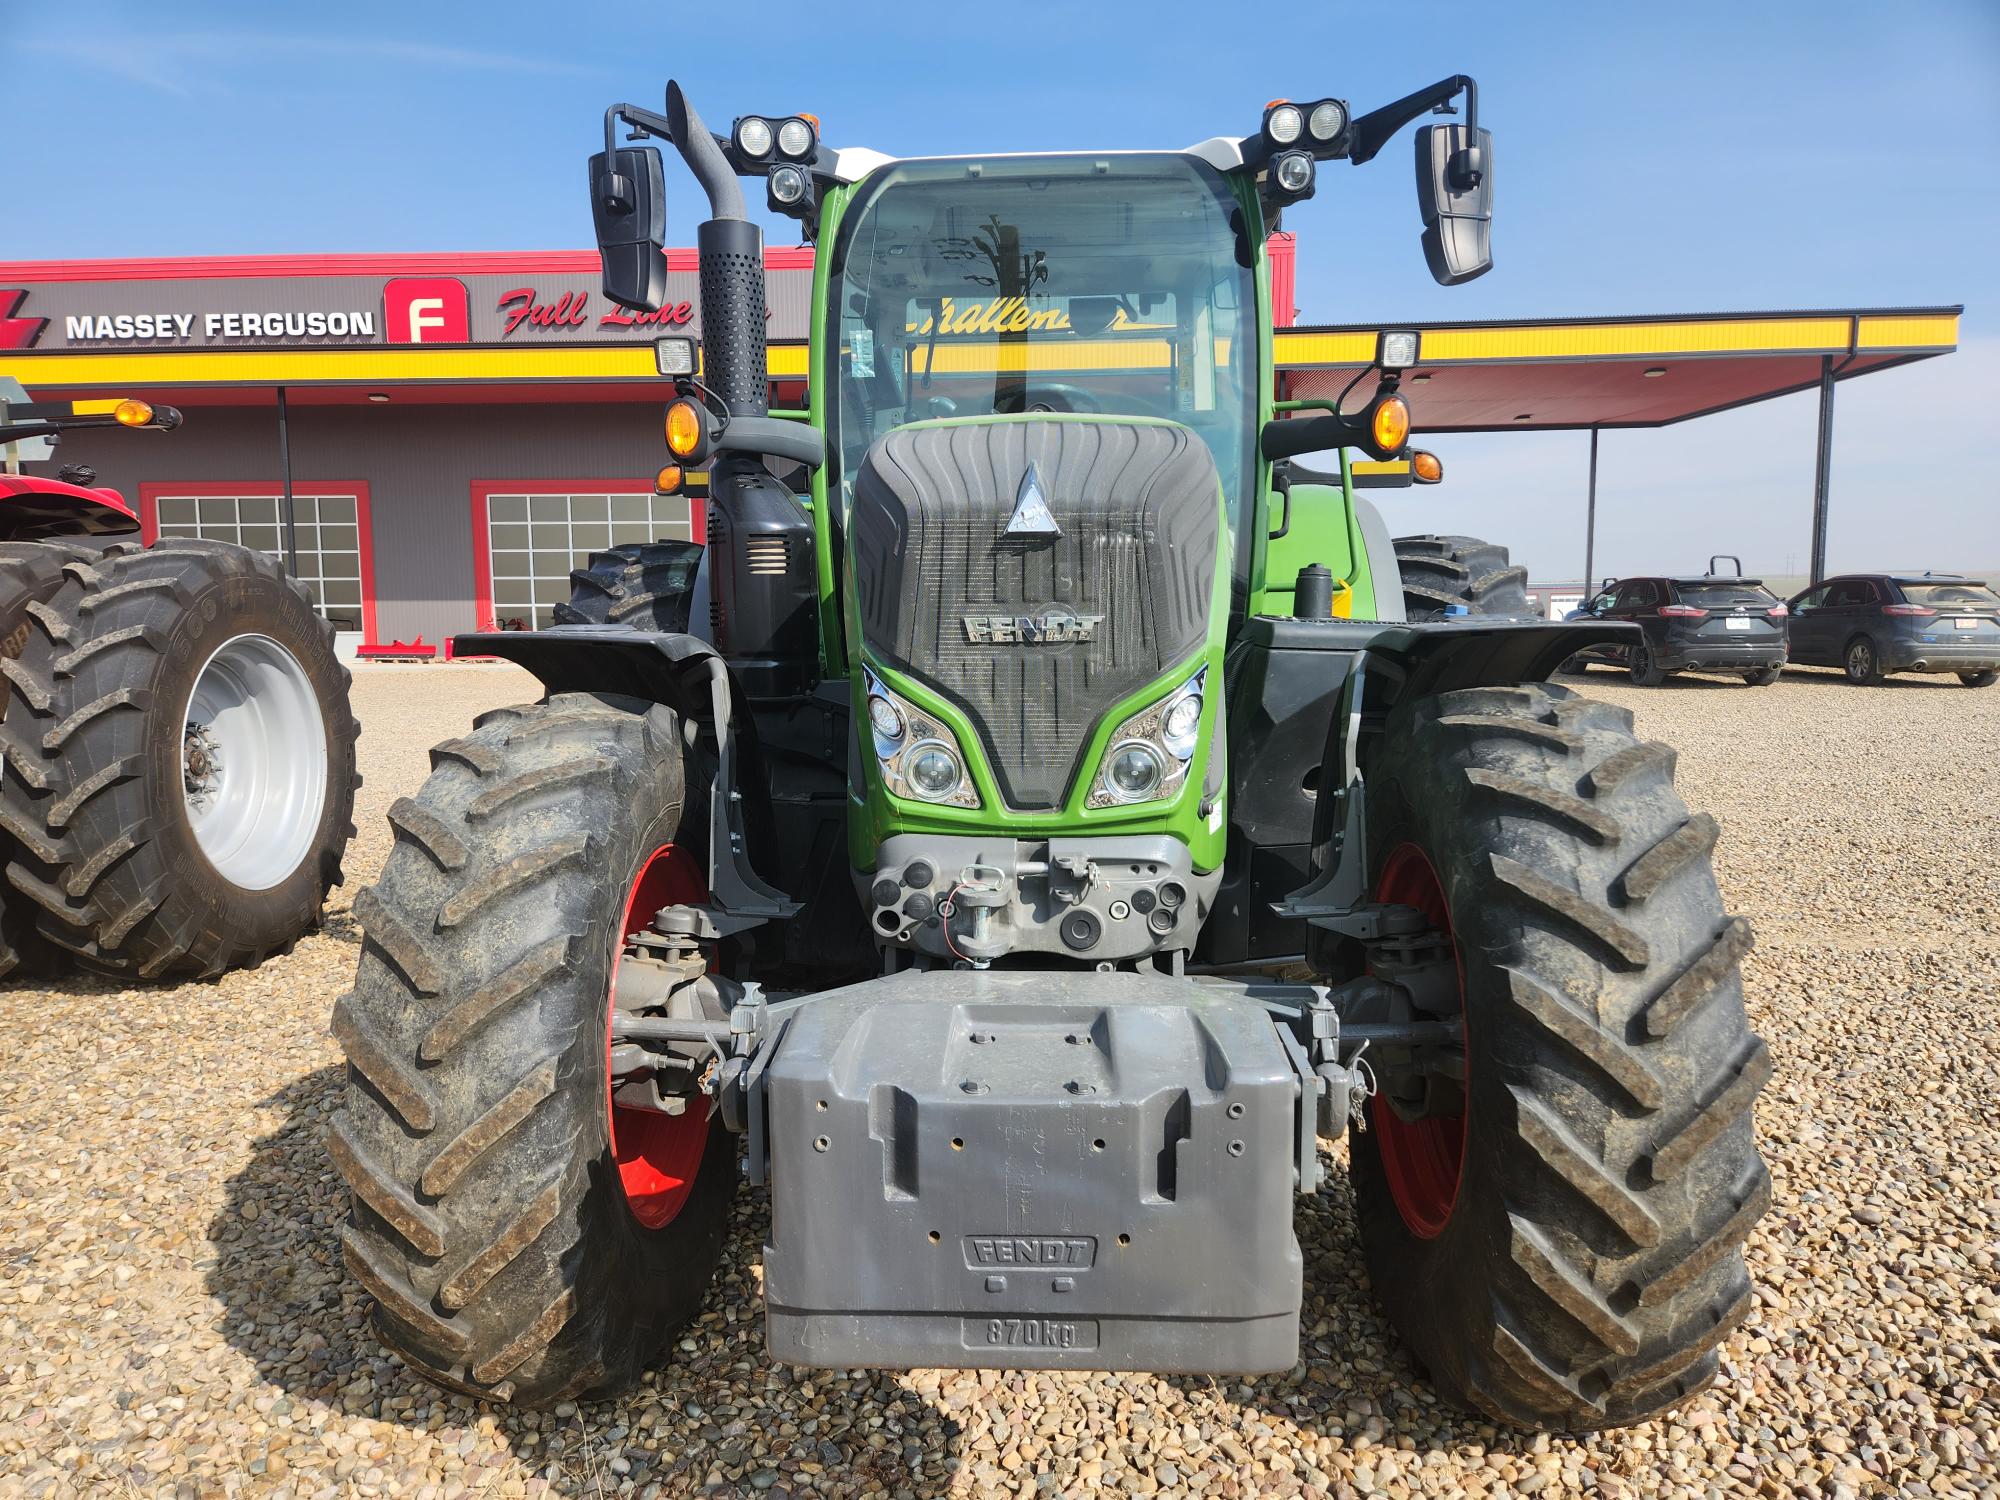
(173, 1318)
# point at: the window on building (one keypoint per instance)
(535, 538)
(328, 530)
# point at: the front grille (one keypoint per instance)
(1140, 514)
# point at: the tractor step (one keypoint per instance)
(1052, 1170)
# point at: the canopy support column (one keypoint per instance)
(1590, 525)
(1823, 467)
(285, 464)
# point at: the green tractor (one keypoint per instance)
(1031, 823)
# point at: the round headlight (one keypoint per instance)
(1326, 121)
(1284, 123)
(933, 770)
(884, 717)
(795, 139)
(753, 135)
(1135, 771)
(1294, 171)
(788, 184)
(1178, 728)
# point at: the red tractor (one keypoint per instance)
(176, 745)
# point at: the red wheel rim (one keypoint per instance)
(657, 1155)
(1422, 1159)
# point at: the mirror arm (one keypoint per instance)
(1374, 129)
(712, 171)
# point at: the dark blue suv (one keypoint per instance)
(1706, 624)
(1872, 624)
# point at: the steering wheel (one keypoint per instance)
(1054, 395)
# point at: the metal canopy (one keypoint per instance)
(1615, 372)
(1591, 374)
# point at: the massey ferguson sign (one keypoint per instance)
(341, 311)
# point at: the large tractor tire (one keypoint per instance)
(647, 586)
(1559, 1239)
(29, 573)
(179, 761)
(523, 1240)
(1445, 572)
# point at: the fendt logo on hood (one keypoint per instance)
(17, 333)
(1051, 627)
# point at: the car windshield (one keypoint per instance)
(1959, 591)
(1099, 284)
(1707, 595)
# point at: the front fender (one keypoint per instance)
(684, 673)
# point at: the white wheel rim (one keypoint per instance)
(253, 762)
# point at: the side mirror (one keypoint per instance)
(1455, 193)
(628, 203)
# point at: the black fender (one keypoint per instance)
(1399, 665)
(684, 673)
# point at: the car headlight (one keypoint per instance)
(1151, 752)
(918, 756)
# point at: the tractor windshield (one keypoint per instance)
(1117, 285)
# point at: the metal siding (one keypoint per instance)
(419, 463)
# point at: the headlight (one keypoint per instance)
(1134, 770)
(919, 757)
(795, 138)
(1327, 120)
(1294, 171)
(1284, 123)
(1152, 751)
(788, 185)
(753, 135)
(934, 770)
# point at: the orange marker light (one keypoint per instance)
(1426, 468)
(132, 413)
(1390, 424)
(669, 480)
(685, 429)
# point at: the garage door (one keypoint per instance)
(534, 538)
(329, 539)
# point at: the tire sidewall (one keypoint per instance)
(216, 612)
(1872, 671)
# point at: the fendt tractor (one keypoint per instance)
(1019, 839)
(176, 745)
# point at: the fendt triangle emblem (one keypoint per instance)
(1032, 516)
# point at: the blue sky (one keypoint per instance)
(1679, 158)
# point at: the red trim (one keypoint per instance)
(150, 492)
(1281, 253)
(446, 262)
(19, 486)
(482, 551)
(658, 1156)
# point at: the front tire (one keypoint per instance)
(1979, 679)
(1565, 1251)
(179, 756)
(517, 1244)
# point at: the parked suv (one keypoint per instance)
(1872, 624)
(1707, 624)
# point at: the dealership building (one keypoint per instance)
(457, 431)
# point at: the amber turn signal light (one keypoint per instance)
(132, 413)
(669, 480)
(1389, 424)
(1426, 468)
(687, 432)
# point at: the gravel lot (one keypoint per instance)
(173, 1318)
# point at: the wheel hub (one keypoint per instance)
(1423, 1157)
(201, 766)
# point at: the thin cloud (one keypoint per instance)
(171, 63)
